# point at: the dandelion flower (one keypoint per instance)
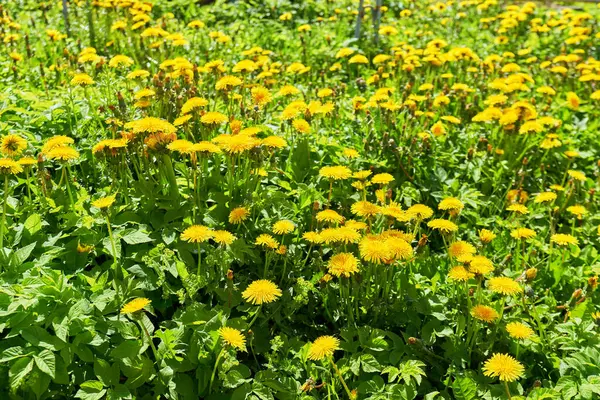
(283, 227)
(223, 237)
(266, 240)
(9, 167)
(329, 216)
(63, 153)
(261, 291)
(443, 225)
(504, 285)
(343, 264)
(578, 210)
(481, 265)
(523, 233)
(486, 236)
(460, 273)
(335, 172)
(365, 209)
(213, 118)
(564, 239)
(104, 202)
(518, 330)
(451, 203)
(197, 234)
(518, 208)
(135, 305)
(382, 179)
(12, 145)
(238, 215)
(323, 347)
(420, 211)
(233, 338)
(484, 313)
(504, 367)
(545, 197)
(82, 80)
(461, 248)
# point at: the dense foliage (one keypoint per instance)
(299, 200)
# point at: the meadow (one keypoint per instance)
(333, 199)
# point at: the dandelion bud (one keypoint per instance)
(537, 383)
(593, 282)
(490, 148)
(577, 294)
(412, 340)
(230, 274)
(531, 273)
(525, 160)
(316, 206)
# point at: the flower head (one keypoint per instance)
(261, 292)
(343, 264)
(335, 172)
(322, 347)
(504, 285)
(484, 313)
(283, 227)
(504, 367)
(135, 305)
(564, 239)
(238, 215)
(233, 338)
(9, 167)
(104, 202)
(197, 234)
(518, 330)
(12, 145)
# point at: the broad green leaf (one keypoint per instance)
(19, 371)
(46, 362)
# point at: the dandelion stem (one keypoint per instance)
(339, 374)
(212, 377)
(507, 390)
(255, 317)
(3, 220)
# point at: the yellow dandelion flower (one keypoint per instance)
(518, 330)
(459, 273)
(261, 291)
(12, 145)
(283, 227)
(564, 239)
(135, 305)
(233, 338)
(484, 313)
(238, 215)
(335, 172)
(343, 264)
(504, 367)
(443, 225)
(504, 285)
(197, 234)
(104, 202)
(323, 347)
(9, 167)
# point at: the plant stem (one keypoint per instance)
(507, 390)
(212, 377)
(115, 262)
(254, 318)
(3, 220)
(339, 374)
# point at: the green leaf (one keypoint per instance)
(33, 223)
(19, 371)
(369, 363)
(91, 390)
(131, 236)
(464, 388)
(46, 362)
(11, 353)
(118, 392)
(108, 374)
(21, 255)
